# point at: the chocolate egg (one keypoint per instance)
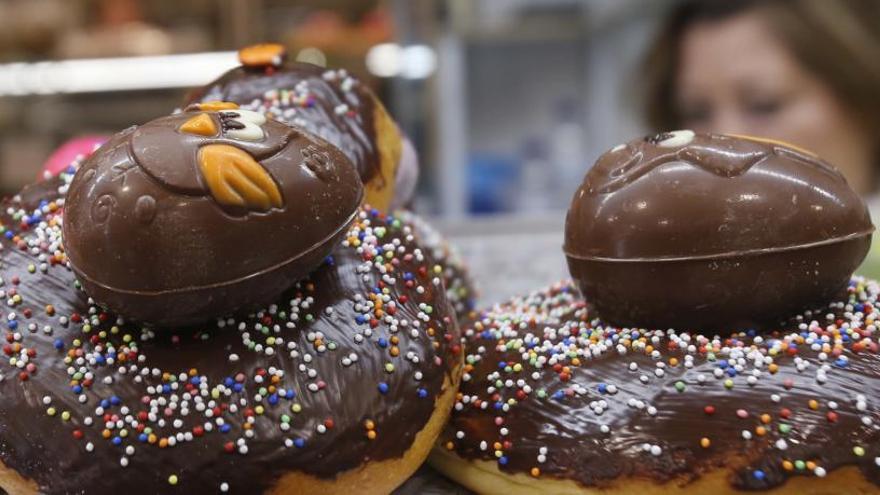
(692, 231)
(203, 213)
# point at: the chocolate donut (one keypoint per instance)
(460, 286)
(202, 213)
(330, 103)
(712, 232)
(553, 400)
(341, 386)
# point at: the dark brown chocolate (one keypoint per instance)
(330, 103)
(712, 232)
(553, 392)
(197, 215)
(364, 344)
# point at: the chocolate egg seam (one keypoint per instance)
(260, 273)
(728, 255)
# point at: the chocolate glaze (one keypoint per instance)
(344, 344)
(553, 366)
(736, 223)
(460, 286)
(344, 117)
(152, 237)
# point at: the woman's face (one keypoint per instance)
(735, 77)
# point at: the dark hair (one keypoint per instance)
(838, 41)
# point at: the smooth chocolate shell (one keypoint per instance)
(712, 231)
(184, 219)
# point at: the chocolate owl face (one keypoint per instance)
(198, 214)
(692, 230)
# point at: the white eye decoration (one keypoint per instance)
(675, 139)
(243, 124)
(246, 115)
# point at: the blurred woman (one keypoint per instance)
(802, 71)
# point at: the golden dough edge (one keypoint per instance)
(379, 190)
(485, 478)
(382, 476)
(16, 484)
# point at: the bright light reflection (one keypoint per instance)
(393, 60)
(114, 74)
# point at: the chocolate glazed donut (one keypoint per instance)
(555, 401)
(330, 103)
(340, 387)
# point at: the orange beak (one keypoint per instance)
(234, 178)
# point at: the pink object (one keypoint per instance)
(62, 157)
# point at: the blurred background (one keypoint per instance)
(507, 101)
